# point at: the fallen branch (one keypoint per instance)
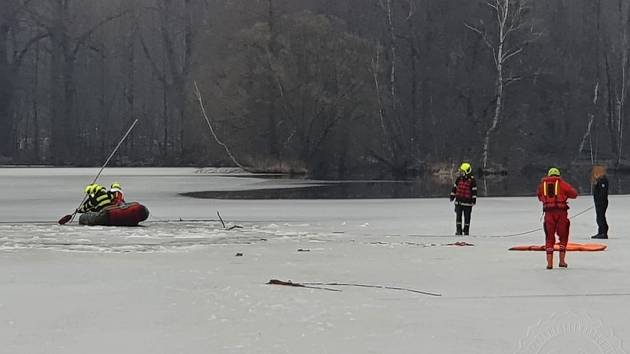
(221, 219)
(214, 135)
(378, 287)
(298, 285)
(228, 228)
(458, 243)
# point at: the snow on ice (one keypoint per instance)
(174, 285)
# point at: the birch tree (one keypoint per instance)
(622, 78)
(505, 37)
(385, 73)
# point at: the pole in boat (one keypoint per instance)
(69, 217)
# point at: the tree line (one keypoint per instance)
(354, 88)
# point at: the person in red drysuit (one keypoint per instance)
(553, 192)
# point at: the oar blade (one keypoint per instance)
(65, 219)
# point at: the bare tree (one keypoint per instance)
(59, 25)
(313, 78)
(502, 39)
(212, 131)
(173, 64)
(617, 69)
(12, 54)
(588, 134)
(414, 57)
(273, 82)
(624, 65)
(385, 73)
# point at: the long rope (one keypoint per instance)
(529, 296)
(509, 235)
(540, 228)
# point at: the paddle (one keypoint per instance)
(66, 218)
(69, 217)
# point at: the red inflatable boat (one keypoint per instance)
(128, 214)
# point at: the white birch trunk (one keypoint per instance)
(623, 89)
(377, 87)
(392, 72)
(502, 17)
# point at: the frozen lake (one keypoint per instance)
(176, 284)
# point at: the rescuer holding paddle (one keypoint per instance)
(553, 192)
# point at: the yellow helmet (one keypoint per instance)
(116, 186)
(553, 172)
(466, 168)
(90, 188)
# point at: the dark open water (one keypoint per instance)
(427, 187)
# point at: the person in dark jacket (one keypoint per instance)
(98, 197)
(464, 193)
(600, 197)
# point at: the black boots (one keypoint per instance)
(600, 236)
(459, 230)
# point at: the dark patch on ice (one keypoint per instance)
(519, 184)
(331, 190)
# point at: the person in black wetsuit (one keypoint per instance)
(600, 197)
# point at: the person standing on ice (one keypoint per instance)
(554, 192)
(117, 195)
(97, 198)
(464, 193)
(600, 197)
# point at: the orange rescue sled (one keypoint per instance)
(583, 247)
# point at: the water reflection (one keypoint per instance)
(427, 187)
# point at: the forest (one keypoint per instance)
(325, 88)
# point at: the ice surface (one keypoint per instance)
(178, 287)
